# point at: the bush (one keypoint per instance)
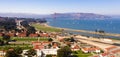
(48, 55)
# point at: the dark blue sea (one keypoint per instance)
(108, 25)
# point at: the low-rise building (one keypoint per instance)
(33, 35)
(75, 48)
(91, 49)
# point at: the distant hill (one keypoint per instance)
(57, 15)
(79, 16)
(23, 15)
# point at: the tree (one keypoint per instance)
(64, 52)
(49, 55)
(50, 39)
(6, 38)
(30, 30)
(49, 45)
(1, 42)
(18, 50)
(101, 31)
(31, 53)
(11, 53)
(72, 39)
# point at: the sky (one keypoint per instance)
(60, 6)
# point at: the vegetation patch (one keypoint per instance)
(30, 38)
(44, 28)
(81, 54)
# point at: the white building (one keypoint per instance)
(46, 52)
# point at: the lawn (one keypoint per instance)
(6, 47)
(44, 28)
(22, 39)
(81, 54)
(30, 38)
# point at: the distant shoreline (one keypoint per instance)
(91, 32)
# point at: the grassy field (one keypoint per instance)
(6, 47)
(44, 28)
(30, 38)
(81, 54)
(22, 44)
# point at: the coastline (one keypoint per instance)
(84, 31)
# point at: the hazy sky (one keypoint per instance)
(60, 6)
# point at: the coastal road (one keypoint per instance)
(94, 43)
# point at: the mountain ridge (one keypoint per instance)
(57, 15)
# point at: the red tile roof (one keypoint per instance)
(110, 48)
(38, 47)
(11, 34)
(22, 35)
(1, 34)
(116, 51)
(91, 49)
(76, 47)
(33, 35)
(44, 35)
(105, 54)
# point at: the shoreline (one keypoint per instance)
(84, 31)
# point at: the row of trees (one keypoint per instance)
(8, 24)
(17, 52)
(65, 52)
(5, 39)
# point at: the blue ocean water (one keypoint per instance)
(108, 25)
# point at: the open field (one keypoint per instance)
(45, 28)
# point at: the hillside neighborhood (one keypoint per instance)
(21, 34)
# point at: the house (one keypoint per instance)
(112, 51)
(2, 53)
(104, 55)
(33, 35)
(55, 46)
(41, 51)
(45, 52)
(107, 54)
(39, 45)
(108, 49)
(60, 38)
(44, 35)
(75, 48)
(11, 34)
(91, 49)
(21, 35)
(1, 34)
